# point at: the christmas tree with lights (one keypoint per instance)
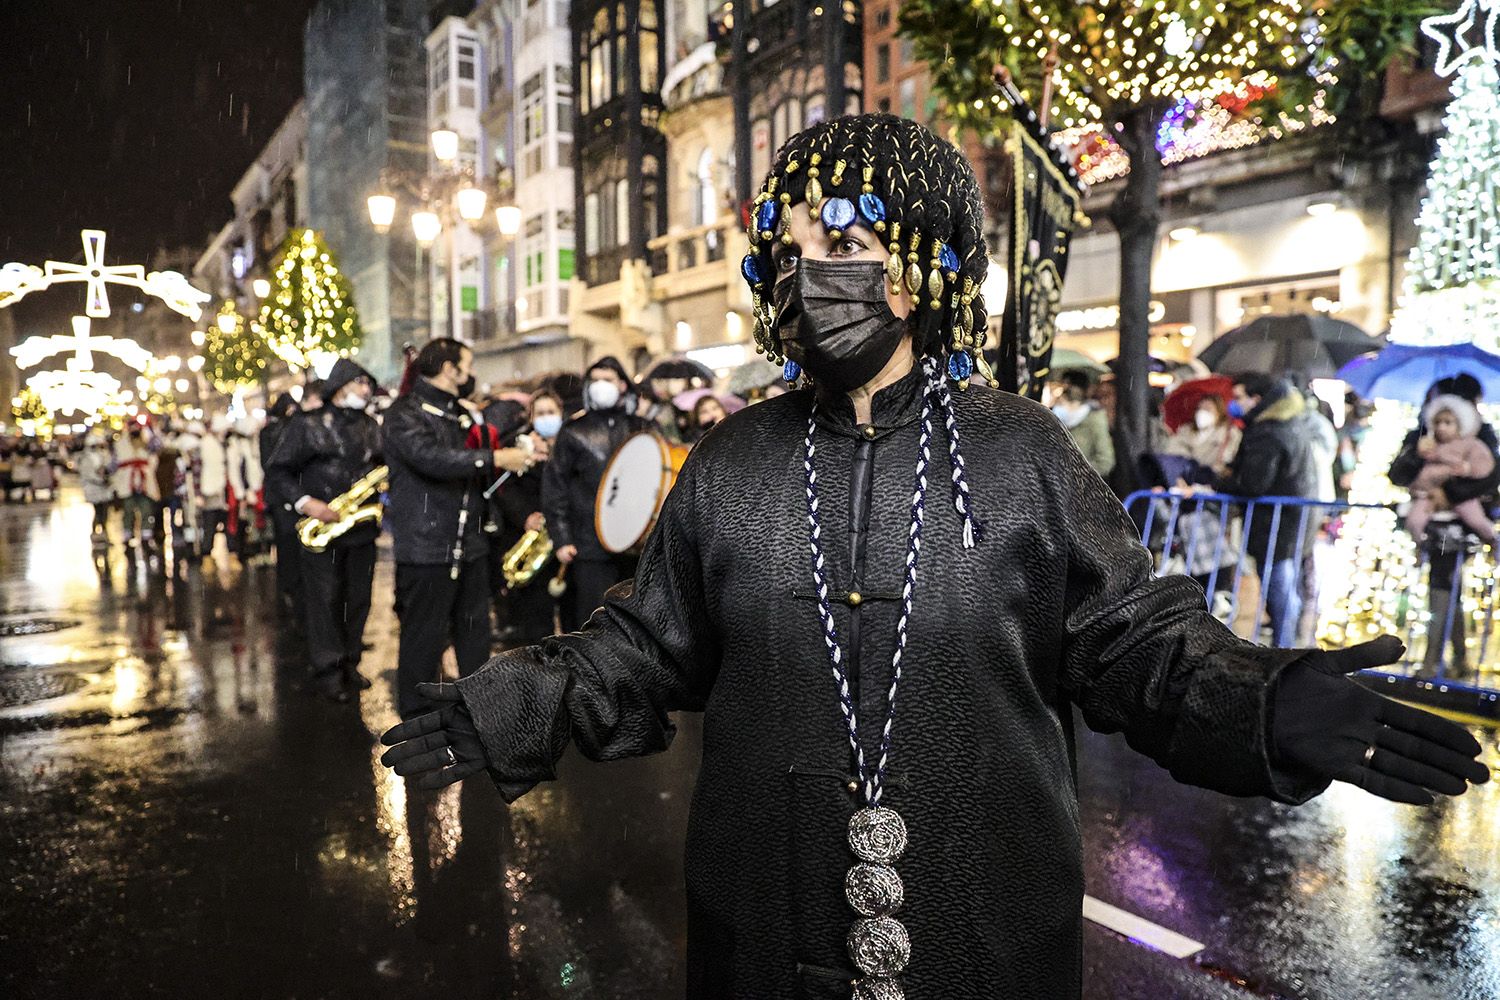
(233, 356)
(310, 310)
(1452, 296)
(1453, 274)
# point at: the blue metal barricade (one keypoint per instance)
(1296, 572)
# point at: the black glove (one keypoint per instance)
(440, 747)
(1325, 725)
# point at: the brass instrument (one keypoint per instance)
(353, 508)
(526, 558)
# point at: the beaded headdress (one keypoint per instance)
(919, 195)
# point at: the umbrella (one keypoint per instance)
(1405, 371)
(1308, 346)
(1180, 406)
(685, 401)
(1065, 359)
(753, 375)
(679, 367)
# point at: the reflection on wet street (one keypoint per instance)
(182, 819)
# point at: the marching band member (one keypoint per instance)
(135, 484)
(571, 481)
(283, 517)
(319, 455)
(530, 608)
(435, 510)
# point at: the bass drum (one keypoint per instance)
(635, 485)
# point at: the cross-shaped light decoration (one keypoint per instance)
(16, 280)
(1450, 31)
(93, 271)
(31, 351)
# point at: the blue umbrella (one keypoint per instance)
(1405, 372)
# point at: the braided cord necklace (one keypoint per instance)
(877, 942)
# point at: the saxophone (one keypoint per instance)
(353, 508)
(526, 558)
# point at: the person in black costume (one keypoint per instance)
(530, 609)
(436, 520)
(318, 456)
(571, 480)
(879, 538)
(283, 517)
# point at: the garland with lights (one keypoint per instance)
(28, 405)
(310, 310)
(1128, 71)
(233, 357)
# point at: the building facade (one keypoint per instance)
(365, 87)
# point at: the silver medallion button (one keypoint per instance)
(874, 890)
(879, 946)
(878, 989)
(877, 835)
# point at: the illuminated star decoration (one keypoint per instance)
(34, 349)
(17, 280)
(1450, 31)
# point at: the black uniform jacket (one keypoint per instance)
(1276, 459)
(579, 454)
(434, 477)
(1056, 606)
(320, 454)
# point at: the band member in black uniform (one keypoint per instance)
(530, 608)
(283, 518)
(436, 520)
(579, 456)
(320, 455)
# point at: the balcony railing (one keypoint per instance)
(690, 248)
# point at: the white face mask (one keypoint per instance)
(356, 402)
(1203, 419)
(603, 395)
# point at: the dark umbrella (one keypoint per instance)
(679, 367)
(1308, 346)
(1405, 371)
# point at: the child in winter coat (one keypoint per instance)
(1450, 449)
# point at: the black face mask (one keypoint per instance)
(833, 320)
(466, 388)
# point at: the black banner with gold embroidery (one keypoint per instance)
(1045, 209)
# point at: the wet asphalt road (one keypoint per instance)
(180, 819)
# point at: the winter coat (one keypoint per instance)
(1091, 435)
(434, 477)
(242, 458)
(168, 462)
(320, 454)
(1212, 448)
(571, 480)
(1461, 456)
(517, 500)
(1324, 439)
(94, 474)
(1277, 458)
(270, 436)
(213, 472)
(1056, 606)
(135, 470)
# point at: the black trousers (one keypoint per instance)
(335, 605)
(288, 557)
(588, 579)
(437, 611)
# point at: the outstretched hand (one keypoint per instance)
(1325, 724)
(438, 748)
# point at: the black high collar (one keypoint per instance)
(897, 405)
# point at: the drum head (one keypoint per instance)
(634, 485)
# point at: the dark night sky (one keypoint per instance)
(136, 117)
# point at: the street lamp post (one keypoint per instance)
(442, 201)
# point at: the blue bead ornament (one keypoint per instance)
(948, 258)
(838, 213)
(871, 209)
(750, 268)
(960, 365)
(791, 371)
(765, 216)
